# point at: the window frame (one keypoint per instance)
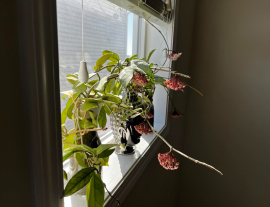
(40, 82)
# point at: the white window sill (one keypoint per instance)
(120, 166)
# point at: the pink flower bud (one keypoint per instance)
(174, 55)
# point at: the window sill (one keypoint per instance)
(122, 167)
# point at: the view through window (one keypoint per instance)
(106, 27)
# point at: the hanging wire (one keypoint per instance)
(82, 35)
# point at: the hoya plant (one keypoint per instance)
(89, 103)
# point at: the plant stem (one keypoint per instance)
(119, 204)
(181, 153)
(162, 36)
(172, 100)
(88, 130)
(173, 72)
(194, 89)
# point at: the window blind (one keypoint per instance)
(105, 27)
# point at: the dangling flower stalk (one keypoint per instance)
(181, 153)
(163, 38)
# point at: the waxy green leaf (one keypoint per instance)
(86, 124)
(101, 85)
(104, 147)
(63, 116)
(69, 140)
(102, 119)
(95, 192)
(144, 66)
(65, 175)
(77, 148)
(126, 75)
(114, 57)
(89, 105)
(102, 60)
(80, 159)
(79, 180)
(150, 54)
(106, 153)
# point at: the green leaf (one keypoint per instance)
(93, 117)
(144, 66)
(70, 105)
(150, 54)
(79, 157)
(111, 63)
(131, 113)
(79, 86)
(72, 79)
(63, 116)
(102, 161)
(70, 140)
(77, 148)
(89, 84)
(113, 98)
(147, 99)
(106, 153)
(64, 174)
(125, 106)
(67, 93)
(69, 111)
(95, 192)
(110, 85)
(79, 180)
(159, 80)
(89, 105)
(104, 147)
(67, 155)
(114, 57)
(86, 124)
(102, 60)
(102, 119)
(101, 84)
(126, 75)
(107, 110)
(133, 57)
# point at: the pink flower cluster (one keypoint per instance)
(139, 79)
(174, 83)
(174, 55)
(175, 114)
(143, 128)
(168, 161)
(150, 115)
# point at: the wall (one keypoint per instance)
(229, 126)
(158, 187)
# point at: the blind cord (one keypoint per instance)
(82, 34)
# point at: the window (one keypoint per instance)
(106, 27)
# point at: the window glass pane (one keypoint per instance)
(106, 27)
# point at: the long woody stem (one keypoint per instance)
(181, 153)
(173, 72)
